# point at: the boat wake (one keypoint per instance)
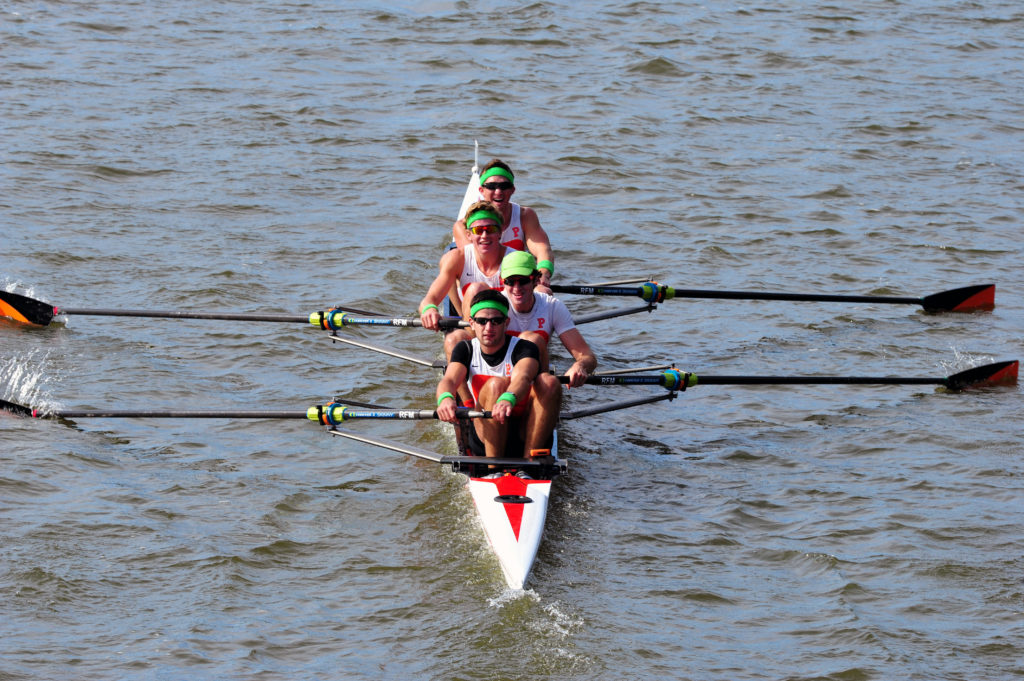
(22, 379)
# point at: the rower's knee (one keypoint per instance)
(547, 387)
(492, 389)
(470, 292)
(542, 345)
(453, 338)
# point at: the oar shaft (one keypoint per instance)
(177, 314)
(732, 295)
(818, 380)
(819, 297)
(997, 373)
(171, 414)
(701, 379)
(964, 299)
(338, 413)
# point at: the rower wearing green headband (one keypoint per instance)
(537, 317)
(502, 373)
(467, 270)
(521, 228)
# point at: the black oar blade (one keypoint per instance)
(966, 299)
(24, 309)
(18, 409)
(999, 373)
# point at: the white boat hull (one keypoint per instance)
(512, 511)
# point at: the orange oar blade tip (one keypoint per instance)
(24, 309)
(10, 312)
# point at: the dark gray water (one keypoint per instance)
(251, 157)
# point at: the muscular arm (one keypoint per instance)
(459, 234)
(523, 373)
(454, 376)
(537, 241)
(586, 361)
(449, 270)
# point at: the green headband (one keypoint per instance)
(497, 170)
(483, 214)
(492, 304)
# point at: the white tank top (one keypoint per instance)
(512, 236)
(471, 271)
(480, 371)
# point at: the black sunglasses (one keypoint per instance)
(512, 282)
(491, 186)
(484, 321)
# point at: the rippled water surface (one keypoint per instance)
(249, 157)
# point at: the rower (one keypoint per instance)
(469, 269)
(522, 230)
(503, 374)
(537, 316)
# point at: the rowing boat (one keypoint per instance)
(512, 503)
(511, 508)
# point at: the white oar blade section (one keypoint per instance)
(512, 511)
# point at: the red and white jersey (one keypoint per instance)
(480, 371)
(549, 317)
(512, 236)
(472, 273)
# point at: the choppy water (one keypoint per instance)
(256, 157)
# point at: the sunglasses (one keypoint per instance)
(484, 321)
(491, 186)
(512, 282)
(484, 229)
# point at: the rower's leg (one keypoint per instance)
(542, 345)
(453, 298)
(542, 416)
(451, 339)
(491, 433)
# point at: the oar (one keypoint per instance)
(456, 462)
(621, 312)
(31, 311)
(328, 414)
(336, 319)
(966, 299)
(999, 373)
(333, 337)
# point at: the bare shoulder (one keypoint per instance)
(528, 217)
(453, 258)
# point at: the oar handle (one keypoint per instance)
(335, 319)
(651, 291)
(673, 379)
(333, 414)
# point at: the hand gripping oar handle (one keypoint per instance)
(332, 414)
(333, 320)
